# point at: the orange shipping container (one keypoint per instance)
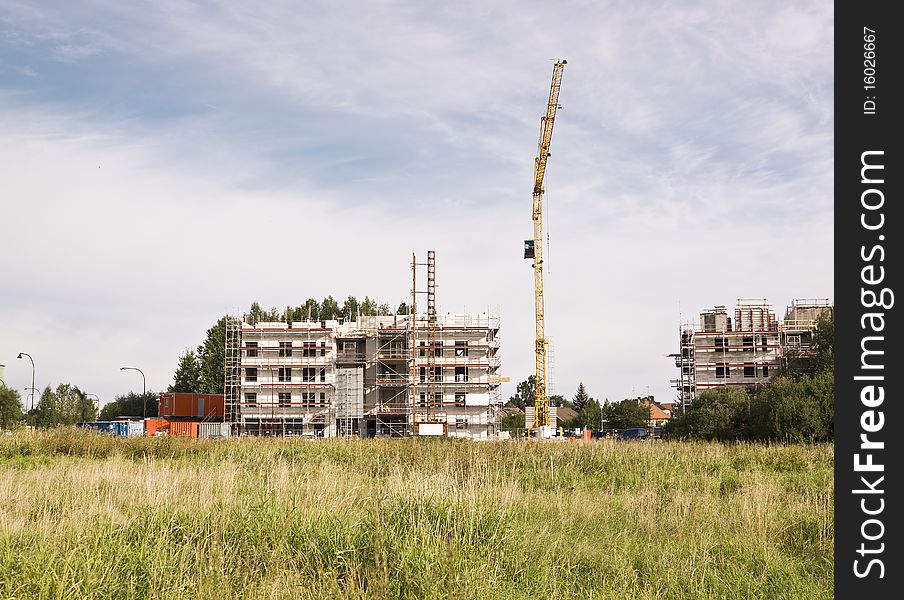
(183, 428)
(210, 407)
(152, 426)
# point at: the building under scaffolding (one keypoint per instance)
(361, 378)
(747, 351)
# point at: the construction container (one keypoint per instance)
(182, 428)
(153, 427)
(214, 430)
(135, 428)
(118, 428)
(207, 407)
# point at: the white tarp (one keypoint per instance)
(430, 429)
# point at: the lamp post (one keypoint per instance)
(32, 390)
(3, 383)
(32, 401)
(96, 403)
(144, 390)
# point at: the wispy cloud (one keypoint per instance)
(137, 139)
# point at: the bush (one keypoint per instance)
(719, 414)
(790, 410)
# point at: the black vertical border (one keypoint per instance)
(855, 133)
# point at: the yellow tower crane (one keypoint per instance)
(534, 248)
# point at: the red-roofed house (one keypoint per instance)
(659, 415)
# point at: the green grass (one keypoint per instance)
(84, 515)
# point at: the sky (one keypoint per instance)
(164, 163)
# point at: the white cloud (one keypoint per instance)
(691, 163)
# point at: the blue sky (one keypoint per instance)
(691, 165)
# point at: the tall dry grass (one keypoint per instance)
(83, 515)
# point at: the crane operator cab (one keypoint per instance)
(528, 248)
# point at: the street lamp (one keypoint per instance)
(3, 383)
(32, 402)
(96, 402)
(144, 388)
(32, 389)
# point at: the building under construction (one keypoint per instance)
(361, 378)
(746, 351)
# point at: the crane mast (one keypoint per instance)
(534, 248)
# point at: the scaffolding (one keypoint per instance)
(349, 400)
(376, 376)
(746, 351)
(685, 360)
(232, 384)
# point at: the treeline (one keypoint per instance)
(797, 405)
(201, 370)
(65, 405)
(68, 405)
(328, 309)
(591, 414)
(131, 405)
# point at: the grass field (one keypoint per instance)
(88, 516)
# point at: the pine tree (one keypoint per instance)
(580, 398)
(187, 378)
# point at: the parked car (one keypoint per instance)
(640, 433)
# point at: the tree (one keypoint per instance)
(188, 374)
(256, 313)
(824, 344)
(46, 413)
(131, 405)
(581, 398)
(368, 307)
(85, 408)
(67, 405)
(350, 308)
(558, 400)
(329, 309)
(526, 393)
(384, 309)
(212, 359)
(591, 414)
(311, 310)
(293, 314)
(403, 309)
(510, 422)
(10, 408)
(625, 414)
